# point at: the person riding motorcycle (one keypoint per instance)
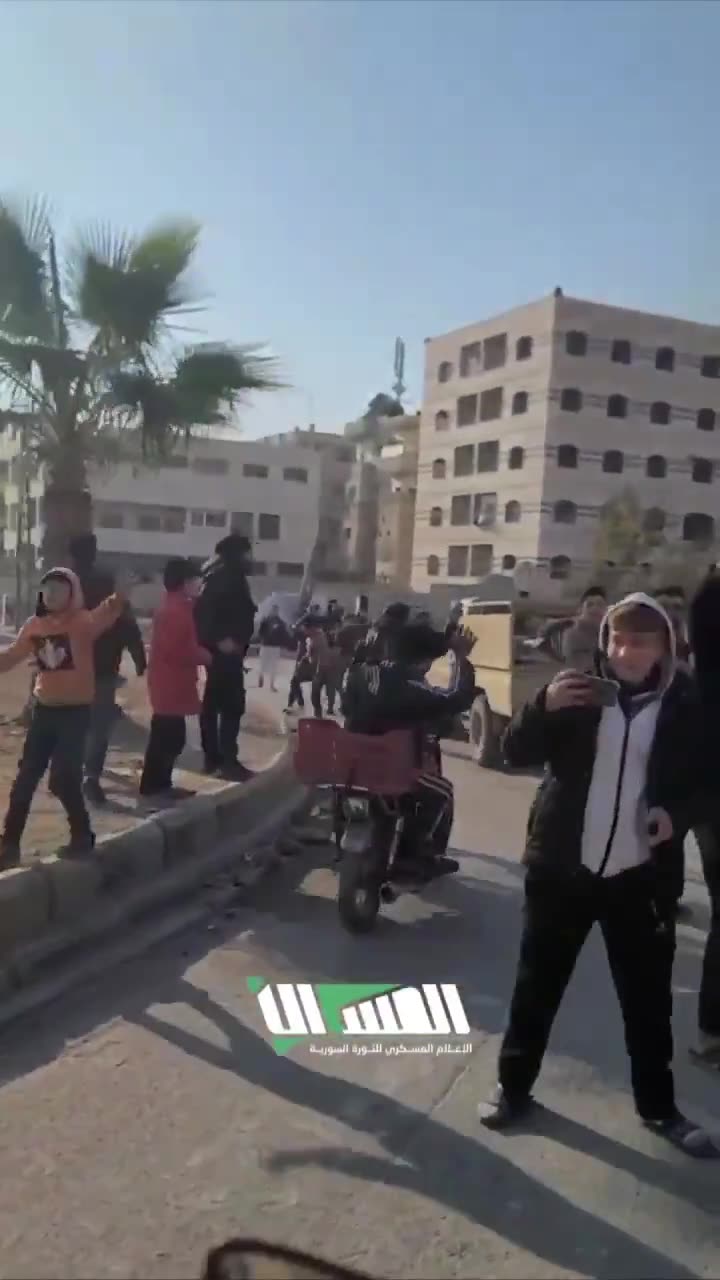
(379, 697)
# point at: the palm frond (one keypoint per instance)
(167, 249)
(24, 310)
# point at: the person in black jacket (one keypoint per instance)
(97, 584)
(225, 620)
(705, 643)
(381, 696)
(618, 794)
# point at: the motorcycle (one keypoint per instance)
(373, 780)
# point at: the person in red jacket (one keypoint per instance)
(175, 656)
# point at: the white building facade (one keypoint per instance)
(533, 421)
(143, 515)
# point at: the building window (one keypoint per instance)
(516, 458)
(439, 469)
(488, 455)
(445, 371)
(242, 522)
(442, 420)
(710, 367)
(197, 519)
(255, 470)
(571, 400)
(481, 559)
(433, 566)
(660, 413)
(290, 569)
(467, 407)
(702, 470)
(268, 527)
(215, 519)
(298, 474)
(513, 512)
(174, 521)
(491, 404)
(460, 509)
(524, 348)
(485, 509)
(617, 407)
(471, 359)
(508, 562)
(436, 517)
(149, 523)
(567, 456)
(464, 460)
(560, 567)
(109, 519)
(656, 467)
(343, 454)
(699, 528)
(576, 343)
(495, 351)
(613, 462)
(706, 420)
(176, 462)
(564, 512)
(665, 359)
(520, 402)
(211, 466)
(654, 520)
(458, 562)
(620, 351)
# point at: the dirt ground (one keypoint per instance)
(46, 829)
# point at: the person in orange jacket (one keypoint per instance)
(60, 637)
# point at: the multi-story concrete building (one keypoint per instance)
(534, 420)
(143, 515)
(336, 460)
(380, 499)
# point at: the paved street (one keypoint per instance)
(147, 1117)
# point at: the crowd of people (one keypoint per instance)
(627, 736)
(75, 642)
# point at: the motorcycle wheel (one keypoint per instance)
(358, 891)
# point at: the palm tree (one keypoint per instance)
(88, 362)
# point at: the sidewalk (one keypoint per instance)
(260, 740)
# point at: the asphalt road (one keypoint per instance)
(147, 1116)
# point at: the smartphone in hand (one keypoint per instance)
(605, 692)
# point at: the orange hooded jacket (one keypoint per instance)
(62, 646)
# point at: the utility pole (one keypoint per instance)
(399, 387)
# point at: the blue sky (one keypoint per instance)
(369, 168)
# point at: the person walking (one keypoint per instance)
(97, 584)
(274, 637)
(619, 787)
(173, 670)
(704, 620)
(60, 637)
(225, 620)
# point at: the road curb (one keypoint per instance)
(52, 912)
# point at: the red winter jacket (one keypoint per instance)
(175, 656)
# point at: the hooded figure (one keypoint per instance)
(60, 637)
(621, 761)
(705, 645)
(225, 620)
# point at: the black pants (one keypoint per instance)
(296, 694)
(435, 810)
(56, 738)
(223, 708)
(709, 1003)
(166, 742)
(641, 949)
(324, 680)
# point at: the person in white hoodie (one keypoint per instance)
(622, 771)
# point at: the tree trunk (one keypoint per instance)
(68, 512)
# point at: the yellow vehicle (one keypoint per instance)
(508, 669)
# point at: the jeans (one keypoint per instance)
(56, 737)
(165, 744)
(103, 714)
(559, 915)
(222, 710)
(708, 839)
